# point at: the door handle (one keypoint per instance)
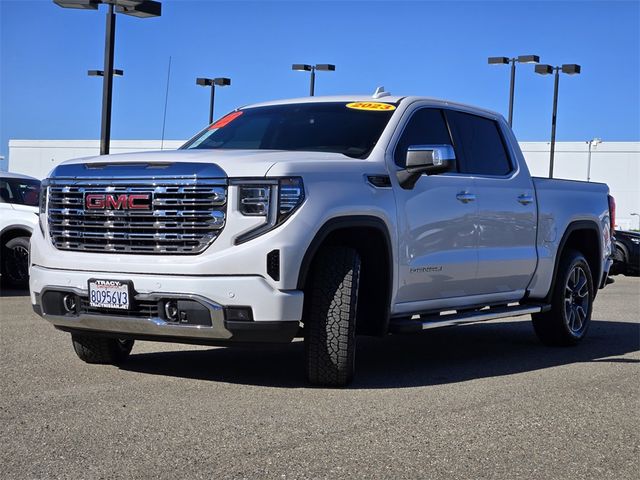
(465, 197)
(525, 199)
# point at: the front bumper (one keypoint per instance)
(275, 315)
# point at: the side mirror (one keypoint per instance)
(429, 159)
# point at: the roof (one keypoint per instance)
(370, 98)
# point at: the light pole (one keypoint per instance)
(212, 82)
(569, 69)
(592, 143)
(135, 8)
(512, 83)
(321, 67)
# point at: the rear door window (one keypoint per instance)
(479, 145)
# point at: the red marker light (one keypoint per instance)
(225, 120)
(612, 214)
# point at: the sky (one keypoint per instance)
(431, 48)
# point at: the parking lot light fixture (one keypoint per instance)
(569, 69)
(513, 61)
(321, 67)
(100, 73)
(134, 8)
(79, 4)
(213, 82)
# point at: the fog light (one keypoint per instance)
(239, 314)
(171, 310)
(69, 303)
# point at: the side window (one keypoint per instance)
(425, 127)
(6, 196)
(479, 144)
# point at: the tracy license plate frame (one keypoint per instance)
(110, 294)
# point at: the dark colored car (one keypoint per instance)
(626, 257)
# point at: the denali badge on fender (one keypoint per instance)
(112, 201)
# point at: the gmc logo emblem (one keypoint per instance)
(112, 201)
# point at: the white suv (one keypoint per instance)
(18, 217)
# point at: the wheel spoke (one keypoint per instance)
(582, 315)
(574, 278)
(582, 289)
(572, 318)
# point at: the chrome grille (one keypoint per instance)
(184, 216)
(139, 309)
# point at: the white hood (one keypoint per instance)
(235, 163)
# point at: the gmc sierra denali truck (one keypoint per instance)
(321, 218)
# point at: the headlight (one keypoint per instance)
(254, 200)
(275, 200)
(42, 217)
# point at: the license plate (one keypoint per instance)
(109, 294)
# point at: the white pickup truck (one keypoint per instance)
(321, 218)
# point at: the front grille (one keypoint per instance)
(139, 309)
(177, 217)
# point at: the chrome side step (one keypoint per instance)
(426, 322)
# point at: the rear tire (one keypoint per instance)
(330, 320)
(102, 350)
(619, 261)
(15, 263)
(571, 304)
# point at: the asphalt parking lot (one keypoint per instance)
(483, 401)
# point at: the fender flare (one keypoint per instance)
(381, 326)
(17, 226)
(572, 227)
(337, 223)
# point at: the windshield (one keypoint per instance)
(348, 128)
(19, 191)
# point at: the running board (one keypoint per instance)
(436, 321)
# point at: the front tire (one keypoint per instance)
(568, 320)
(15, 263)
(102, 350)
(330, 323)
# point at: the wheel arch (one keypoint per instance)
(623, 248)
(13, 231)
(376, 255)
(580, 235)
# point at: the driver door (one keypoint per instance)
(437, 222)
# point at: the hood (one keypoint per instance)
(233, 163)
(627, 233)
(25, 208)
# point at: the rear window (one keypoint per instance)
(479, 145)
(19, 191)
(338, 127)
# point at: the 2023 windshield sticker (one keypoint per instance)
(371, 106)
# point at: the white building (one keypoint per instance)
(614, 163)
